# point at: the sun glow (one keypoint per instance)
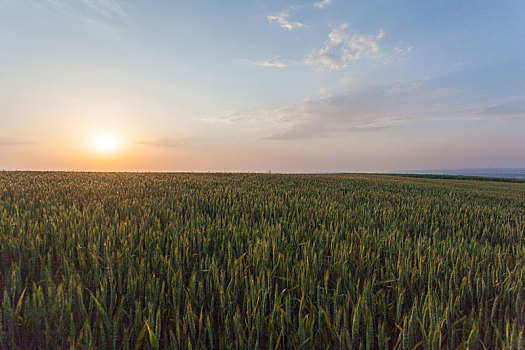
(105, 143)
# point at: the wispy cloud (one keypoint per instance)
(282, 19)
(56, 4)
(366, 110)
(13, 142)
(343, 47)
(403, 51)
(513, 108)
(106, 8)
(167, 142)
(325, 93)
(275, 62)
(322, 4)
(109, 28)
(350, 81)
(370, 109)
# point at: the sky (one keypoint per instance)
(277, 85)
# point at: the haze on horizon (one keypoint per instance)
(286, 86)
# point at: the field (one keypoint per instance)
(134, 260)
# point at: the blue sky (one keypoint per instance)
(262, 85)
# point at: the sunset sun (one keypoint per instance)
(105, 143)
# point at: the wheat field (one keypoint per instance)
(246, 261)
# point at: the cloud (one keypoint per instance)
(322, 4)
(56, 4)
(344, 47)
(371, 109)
(403, 51)
(366, 110)
(108, 8)
(282, 19)
(508, 109)
(350, 81)
(13, 142)
(100, 25)
(302, 131)
(233, 117)
(324, 92)
(167, 142)
(275, 62)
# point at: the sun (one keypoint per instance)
(105, 143)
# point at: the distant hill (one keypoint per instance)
(510, 173)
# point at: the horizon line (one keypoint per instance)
(395, 171)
